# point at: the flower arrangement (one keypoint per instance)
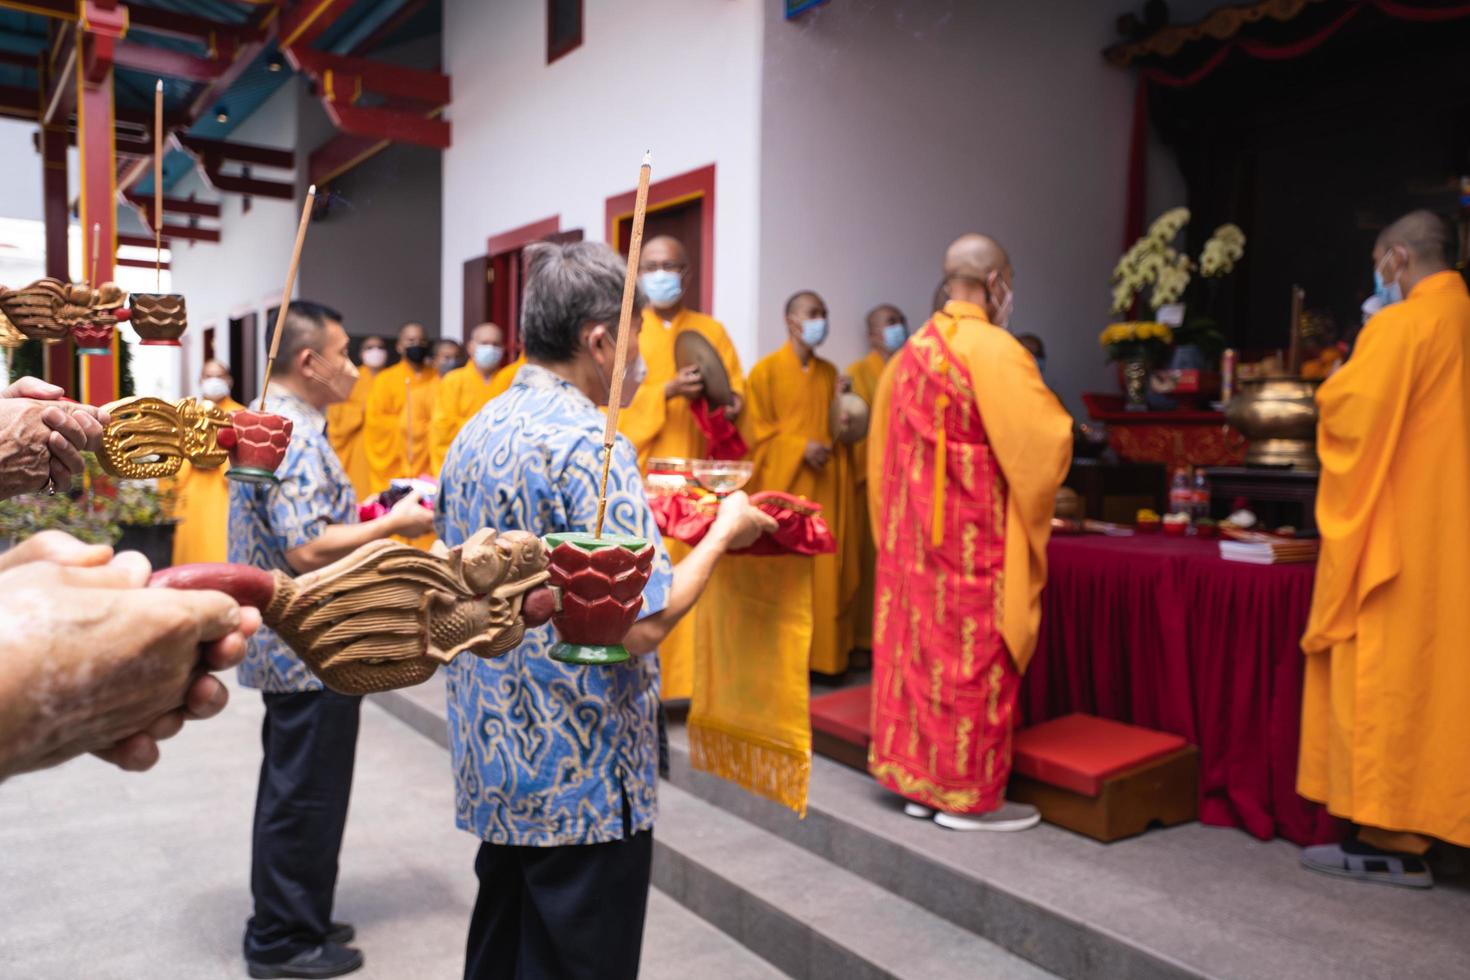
(1153, 261)
(96, 509)
(1225, 247)
(1144, 339)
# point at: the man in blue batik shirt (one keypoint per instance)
(310, 734)
(556, 765)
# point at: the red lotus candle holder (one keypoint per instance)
(93, 339)
(257, 444)
(600, 582)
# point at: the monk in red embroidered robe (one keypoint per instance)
(966, 450)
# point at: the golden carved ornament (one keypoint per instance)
(10, 338)
(149, 438)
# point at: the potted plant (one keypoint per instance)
(144, 515)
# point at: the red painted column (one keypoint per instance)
(58, 359)
(102, 24)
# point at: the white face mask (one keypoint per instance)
(215, 389)
(374, 357)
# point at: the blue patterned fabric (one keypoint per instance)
(546, 753)
(267, 521)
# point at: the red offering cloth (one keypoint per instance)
(800, 529)
(1080, 752)
(722, 439)
(1163, 633)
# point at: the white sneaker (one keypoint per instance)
(1009, 817)
(918, 811)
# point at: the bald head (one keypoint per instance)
(1414, 246)
(977, 270)
(661, 251)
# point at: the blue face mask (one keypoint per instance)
(813, 332)
(1388, 293)
(662, 287)
(487, 356)
(894, 335)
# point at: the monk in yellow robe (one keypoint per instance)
(399, 410)
(506, 377)
(786, 423)
(346, 420)
(966, 450)
(202, 497)
(660, 422)
(887, 330)
(465, 390)
(1386, 709)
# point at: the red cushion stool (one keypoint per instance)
(1105, 779)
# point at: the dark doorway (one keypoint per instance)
(504, 275)
(684, 221)
(476, 293)
(244, 357)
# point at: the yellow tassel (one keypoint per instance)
(941, 403)
(777, 772)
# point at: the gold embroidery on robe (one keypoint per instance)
(968, 629)
(936, 688)
(969, 537)
(992, 697)
(962, 745)
(910, 785)
(967, 467)
(939, 597)
(880, 621)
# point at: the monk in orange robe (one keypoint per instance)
(202, 497)
(465, 390)
(346, 420)
(887, 331)
(660, 421)
(399, 410)
(1386, 708)
(786, 424)
(966, 450)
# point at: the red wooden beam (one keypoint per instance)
(58, 78)
(28, 61)
(168, 63)
(307, 20)
(22, 103)
(252, 153)
(103, 24)
(344, 74)
(390, 124)
(254, 186)
(340, 154)
(58, 362)
(141, 263)
(189, 234)
(178, 205)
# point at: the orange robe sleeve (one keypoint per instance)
(345, 419)
(505, 377)
(877, 442)
(1031, 435)
(778, 457)
(1362, 411)
(447, 415)
(383, 432)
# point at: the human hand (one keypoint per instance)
(817, 454)
(409, 517)
(95, 662)
(686, 384)
(37, 434)
(58, 547)
(738, 522)
(732, 410)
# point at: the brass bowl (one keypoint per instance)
(1278, 417)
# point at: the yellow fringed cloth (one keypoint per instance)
(749, 721)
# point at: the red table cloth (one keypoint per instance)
(1163, 633)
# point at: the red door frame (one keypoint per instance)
(512, 242)
(695, 185)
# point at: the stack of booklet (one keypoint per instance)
(1267, 549)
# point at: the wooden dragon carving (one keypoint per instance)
(388, 615)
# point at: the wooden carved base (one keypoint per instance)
(1164, 791)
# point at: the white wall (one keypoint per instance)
(247, 268)
(888, 129)
(531, 140)
(20, 162)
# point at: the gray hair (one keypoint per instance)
(568, 286)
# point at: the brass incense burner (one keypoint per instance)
(1278, 417)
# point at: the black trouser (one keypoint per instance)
(310, 741)
(560, 912)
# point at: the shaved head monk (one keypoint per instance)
(465, 390)
(789, 431)
(398, 412)
(1386, 710)
(669, 416)
(966, 450)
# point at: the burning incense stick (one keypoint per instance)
(625, 327)
(270, 361)
(158, 187)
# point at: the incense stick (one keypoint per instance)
(158, 187)
(270, 361)
(625, 327)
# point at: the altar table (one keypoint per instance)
(1163, 633)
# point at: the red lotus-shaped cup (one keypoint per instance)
(600, 581)
(93, 338)
(257, 443)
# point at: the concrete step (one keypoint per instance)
(677, 945)
(1189, 901)
(805, 915)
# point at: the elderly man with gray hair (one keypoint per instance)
(556, 765)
